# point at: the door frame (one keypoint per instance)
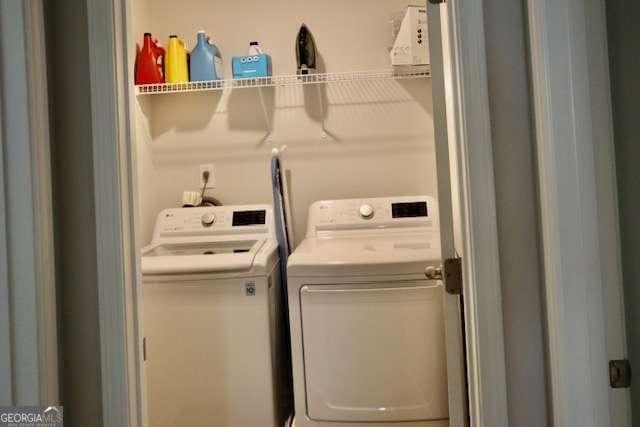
(470, 151)
(579, 210)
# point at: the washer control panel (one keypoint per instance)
(249, 219)
(387, 212)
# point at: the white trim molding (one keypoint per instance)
(27, 268)
(42, 199)
(572, 174)
(474, 203)
(6, 375)
(114, 202)
(456, 372)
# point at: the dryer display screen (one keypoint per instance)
(242, 218)
(409, 210)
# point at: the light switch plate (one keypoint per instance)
(212, 177)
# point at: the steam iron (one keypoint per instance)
(305, 51)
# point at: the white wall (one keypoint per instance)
(382, 131)
(19, 214)
(28, 323)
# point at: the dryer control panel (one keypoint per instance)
(215, 220)
(374, 213)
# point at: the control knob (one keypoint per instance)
(208, 218)
(366, 211)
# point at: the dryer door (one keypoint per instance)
(374, 352)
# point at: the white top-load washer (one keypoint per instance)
(213, 322)
(367, 327)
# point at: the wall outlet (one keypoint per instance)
(212, 179)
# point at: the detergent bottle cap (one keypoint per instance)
(253, 43)
(173, 36)
(202, 32)
(147, 34)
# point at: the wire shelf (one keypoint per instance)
(413, 72)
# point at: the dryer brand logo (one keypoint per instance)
(31, 416)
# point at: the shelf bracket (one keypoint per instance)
(267, 118)
(323, 135)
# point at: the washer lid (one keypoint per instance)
(200, 257)
(384, 253)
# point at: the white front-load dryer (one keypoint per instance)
(367, 327)
(212, 319)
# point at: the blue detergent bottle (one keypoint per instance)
(205, 60)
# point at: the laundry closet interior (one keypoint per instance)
(356, 128)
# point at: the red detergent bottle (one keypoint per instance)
(149, 63)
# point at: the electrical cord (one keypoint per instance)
(207, 201)
(205, 178)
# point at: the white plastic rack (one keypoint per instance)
(412, 72)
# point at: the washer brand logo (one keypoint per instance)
(31, 416)
(250, 289)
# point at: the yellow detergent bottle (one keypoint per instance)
(176, 68)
